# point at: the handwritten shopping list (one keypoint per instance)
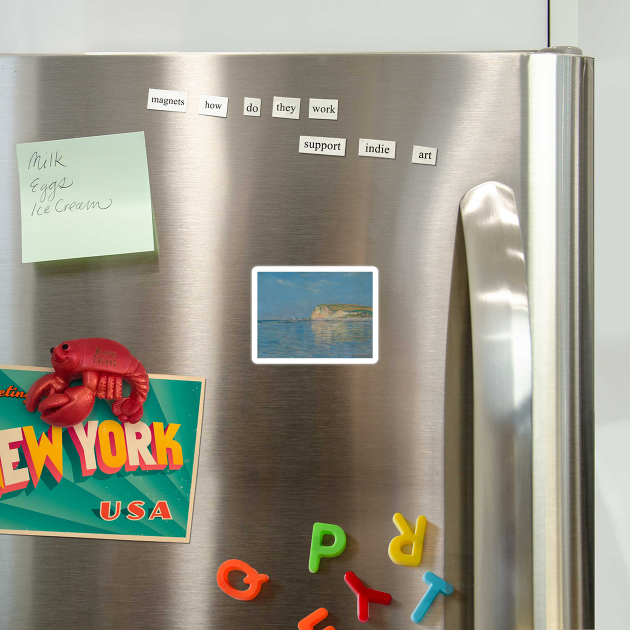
(85, 197)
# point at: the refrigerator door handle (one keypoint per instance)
(502, 374)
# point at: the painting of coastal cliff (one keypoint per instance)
(315, 314)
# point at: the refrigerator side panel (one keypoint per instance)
(559, 253)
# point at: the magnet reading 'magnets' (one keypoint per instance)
(103, 364)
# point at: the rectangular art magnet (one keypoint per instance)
(101, 478)
(315, 315)
(85, 197)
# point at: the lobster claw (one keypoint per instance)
(127, 410)
(68, 408)
(43, 386)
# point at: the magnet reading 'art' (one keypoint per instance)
(252, 577)
(407, 537)
(102, 364)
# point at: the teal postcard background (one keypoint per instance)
(72, 505)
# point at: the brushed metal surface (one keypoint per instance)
(282, 446)
(560, 276)
(502, 368)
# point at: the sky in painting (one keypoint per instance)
(293, 295)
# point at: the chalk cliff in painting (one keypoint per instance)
(341, 311)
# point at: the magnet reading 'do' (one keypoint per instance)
(102, 364)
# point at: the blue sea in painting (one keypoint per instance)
(315, 339)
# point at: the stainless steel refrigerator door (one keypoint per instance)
(282, 446)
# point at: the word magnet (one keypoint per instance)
(252, 577)
(285, 107)
(251, 106)
(319, 550)
(167, 100)
(407, 537)
(436, 586)
(424, 155)
(365, 595)
(322, 146)
(323, 108)
(377, 148)
(213, 105)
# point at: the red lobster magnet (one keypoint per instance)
(103, 364)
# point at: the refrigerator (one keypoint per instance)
(475, 409)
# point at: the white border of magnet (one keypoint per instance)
(320, 269)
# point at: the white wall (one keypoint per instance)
(270, 25)
(604, 27)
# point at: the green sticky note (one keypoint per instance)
(85, 197)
